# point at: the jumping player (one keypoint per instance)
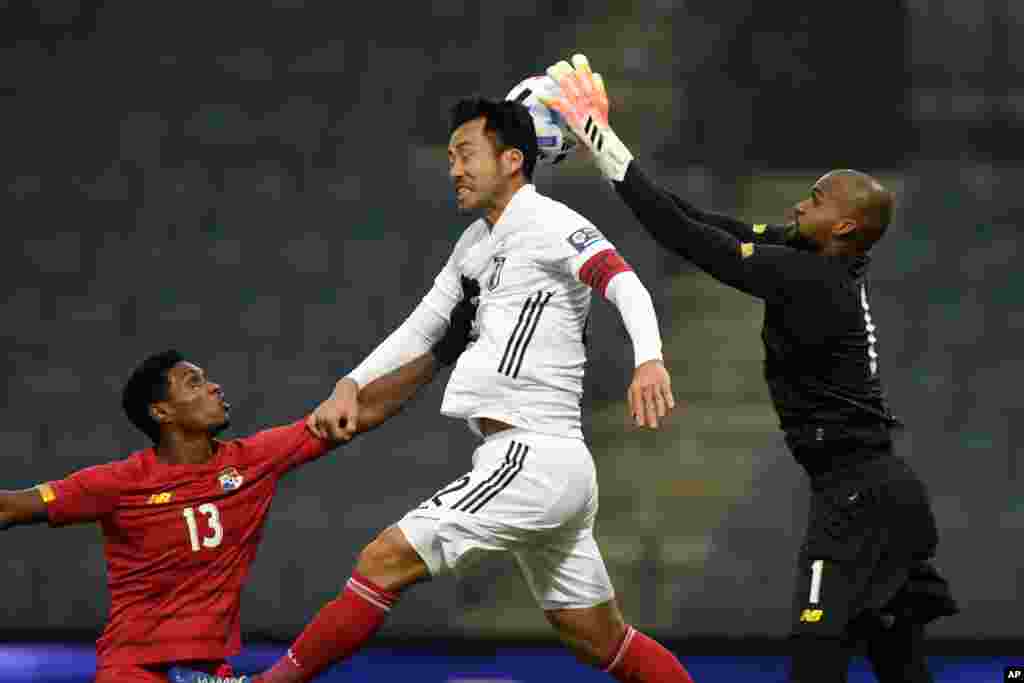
(182, 520)
(532, 489)
(864, 570)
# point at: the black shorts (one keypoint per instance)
(870, 537)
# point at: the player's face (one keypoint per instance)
(820, 211)
(473, 167)
(194, 403)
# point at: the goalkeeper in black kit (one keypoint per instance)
(864, 571)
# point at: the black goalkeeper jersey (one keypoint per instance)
(821, 360)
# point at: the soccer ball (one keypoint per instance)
(554, 139)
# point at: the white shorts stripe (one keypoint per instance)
(517, 467)
(468, 499)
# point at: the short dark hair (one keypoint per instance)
(510, 122)
(147, 385)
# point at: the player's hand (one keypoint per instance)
(650, 394)
(337, 418)
(583, 95)
(461, 326)
(584, 106)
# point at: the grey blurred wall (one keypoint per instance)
(263, 186)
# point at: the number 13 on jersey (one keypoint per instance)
(209, 510)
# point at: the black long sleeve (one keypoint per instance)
(821, 356)
(759, 266)
(763, 233)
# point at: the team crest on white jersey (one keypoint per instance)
(495, 279)
(230, 480)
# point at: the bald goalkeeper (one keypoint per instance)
(864, 571)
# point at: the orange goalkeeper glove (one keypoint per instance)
(584, 106)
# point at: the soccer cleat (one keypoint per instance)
(178, 674)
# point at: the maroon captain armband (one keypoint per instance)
(600, 268)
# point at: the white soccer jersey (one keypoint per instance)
(526, 367)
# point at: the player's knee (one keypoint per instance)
(593, 636)
(381, 555)
(592, 652)
(390, 561)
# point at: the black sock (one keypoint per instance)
(896, 653)
(819, 660)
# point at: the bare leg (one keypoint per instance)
(599, 636)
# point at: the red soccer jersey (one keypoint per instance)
(179, 540)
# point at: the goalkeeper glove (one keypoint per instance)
(460, 329)
(584, 106)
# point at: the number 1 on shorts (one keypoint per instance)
(817, 568)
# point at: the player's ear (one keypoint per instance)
(512, 160)
(844, 228)
(160, 412)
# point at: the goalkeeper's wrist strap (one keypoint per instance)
(611, 156)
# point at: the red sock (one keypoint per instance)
(640, 659)
(340, 628)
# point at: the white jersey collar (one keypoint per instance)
(508, 221)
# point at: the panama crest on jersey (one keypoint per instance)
(230, 479)
(495, 279)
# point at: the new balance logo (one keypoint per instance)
(515, 350)
(811, 616)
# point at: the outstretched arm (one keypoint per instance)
(762, 233)
(765, 270)
(384, 397)
(409, 341)
(27, 506)
(83, 496)
(584, 106)
(710, 248)
(337, 417)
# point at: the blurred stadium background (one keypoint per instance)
(263, 186)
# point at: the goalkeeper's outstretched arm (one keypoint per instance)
(741, 230)
(767, 271)
(710, 248)
(751, 265)
(584, 105)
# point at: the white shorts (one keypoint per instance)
(530, 494)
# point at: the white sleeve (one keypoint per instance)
(421, 330)
(569, 250)
(637, 310)
(414, 337)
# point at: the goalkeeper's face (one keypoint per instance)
(821, 214)
(475, 168)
